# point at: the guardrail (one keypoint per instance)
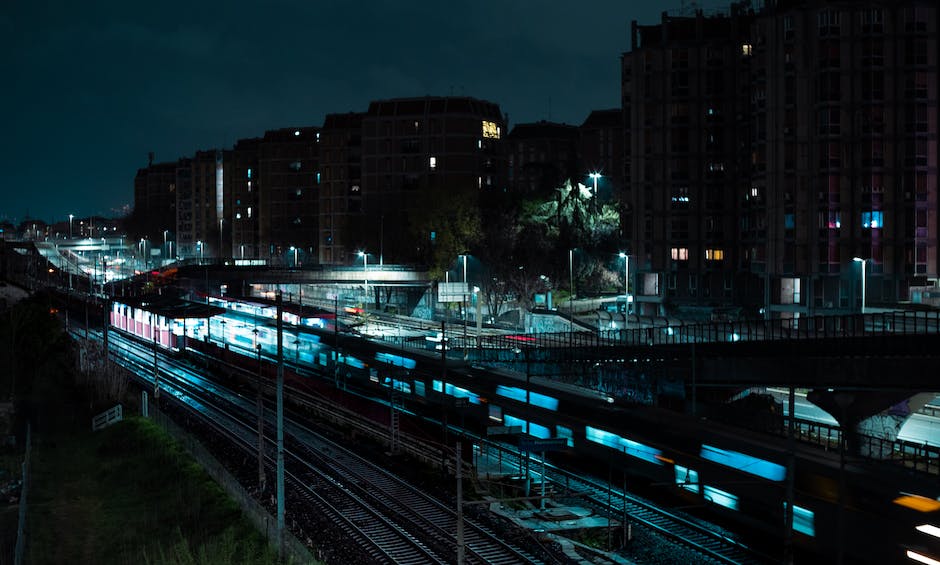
(810, 327)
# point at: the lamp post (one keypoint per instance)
(626, 280)
(365, 274)
(862, 261)
(594, 176)
(294, 249)
(165, 232)
(199, 245)
(464, 295)
(71, 216)
(571, 289)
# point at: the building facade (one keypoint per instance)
(419, 155)
(767, 151)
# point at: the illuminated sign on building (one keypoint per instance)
(490, 129)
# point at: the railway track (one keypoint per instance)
(386, 518)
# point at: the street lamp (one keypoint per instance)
(594, 176)
(862, 261)
(626, 279)
(199, 245)
(294, 249)
(71, 216)
(165, 232)
(365, 274)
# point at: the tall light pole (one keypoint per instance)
(165, 232)
(862, 261)
(294, 249)
(571, 287)
(71, 216)
(365, 274)
(626, 279)
(464, 295)
(594, 176)
(199, 245)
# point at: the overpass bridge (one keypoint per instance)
(870, 372)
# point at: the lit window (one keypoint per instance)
(755, 191)
(803, 520)
(680, 253)
(744, 462)
(249, 211)
(687, 478)
(720, 497)
(238, 215)
(249, 173)
(432, 162)
(714, 254)
(873, 220)
(746, 49)
(318, 177)
(490, 129)
(479, 144)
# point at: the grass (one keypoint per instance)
(129, 494)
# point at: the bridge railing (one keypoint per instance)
(810, 327)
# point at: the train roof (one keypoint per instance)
(172, 307)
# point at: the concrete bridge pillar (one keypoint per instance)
(878, 414)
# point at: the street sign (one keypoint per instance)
(503, 430)
(539, 445)
(451, 292)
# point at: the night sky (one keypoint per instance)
(91, 87)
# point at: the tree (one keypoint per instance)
(454, 219)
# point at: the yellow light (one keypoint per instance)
(921, 558)
(490, 129)
(917, 502)
(929, 529)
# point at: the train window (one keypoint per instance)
(720, 497)
(803, 520)
(419, 388)
(513, 421)
(539, 431)
(744, 462)
(565, 432)
(687, 478)
(627, 446)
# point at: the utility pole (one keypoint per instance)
(280, 427)
(460, 540)
(156, 369)
(260, 410)
(443, 393)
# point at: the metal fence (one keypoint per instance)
(809, 327)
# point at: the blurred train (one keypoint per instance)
(842, 506)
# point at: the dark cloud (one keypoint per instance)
(92, 87)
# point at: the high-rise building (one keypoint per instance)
(685, 95)
(542, 156)
(419, 154)
(155, 199)
(288, 183)
(244, 201)
(340, 186)
(844, 112)
(769, 150)
(600, 148)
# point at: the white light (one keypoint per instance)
(929, 530)
(921, 558)
(296, 132)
